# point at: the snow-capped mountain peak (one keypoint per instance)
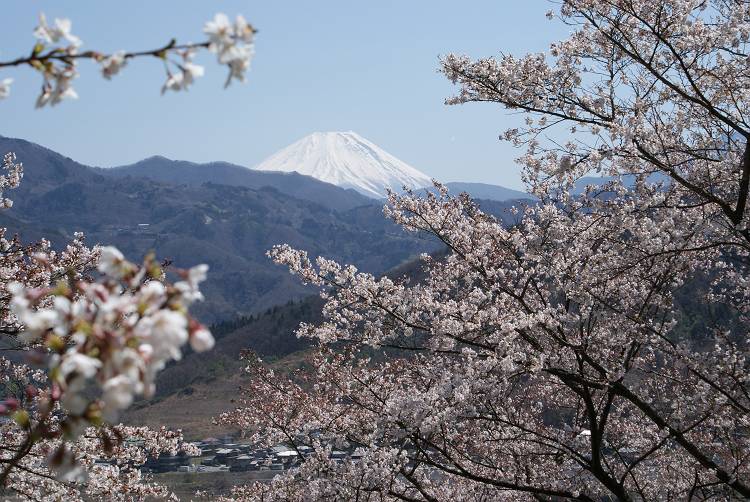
(348, 160)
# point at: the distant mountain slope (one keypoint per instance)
(228, 227)
(302, 187)
(348, 160)
(486, 191)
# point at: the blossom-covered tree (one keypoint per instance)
(546, 361)
(83, 330)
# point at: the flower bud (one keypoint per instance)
(21, 417)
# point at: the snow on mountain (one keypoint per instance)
(348, 160)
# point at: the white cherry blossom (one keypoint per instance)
(53, 34)
(5, 87)
(219, 31)
(201, 340)
(111, 65)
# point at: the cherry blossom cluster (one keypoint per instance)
(554, 359)
(11, 178)
(102, 464)
(57, 52)
(232, 43)
(118, 332)
(85, 332)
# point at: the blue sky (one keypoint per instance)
(370, 67)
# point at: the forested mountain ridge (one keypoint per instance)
(165, 170)
(228, 227)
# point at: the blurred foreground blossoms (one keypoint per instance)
(79, 350)
(57, 52)
(120, 330)
(598, 349)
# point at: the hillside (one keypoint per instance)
(192, 391)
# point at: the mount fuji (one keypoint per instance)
(348, 160)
